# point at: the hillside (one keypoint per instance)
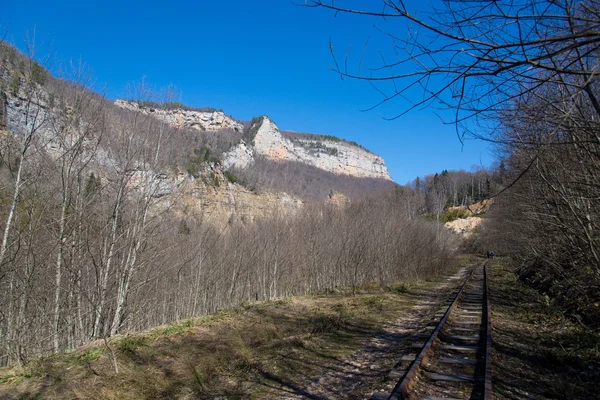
(116, 220)
(258, 151)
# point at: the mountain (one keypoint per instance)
(217, 165)
(262, 138)
(324, 152)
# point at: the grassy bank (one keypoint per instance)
(539, 353)
(259, 350)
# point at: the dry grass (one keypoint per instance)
(538, 352)
(252, 351)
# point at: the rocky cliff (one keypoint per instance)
(226, 201)
(180, 118)
(209, 194)
(324, 152)
(263, 138)
(211, 197)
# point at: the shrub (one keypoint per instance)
(90, 355)
(453, 214)
(15, 84)
(129, 344)
(230, 177)
(398, 288)
(325, 324)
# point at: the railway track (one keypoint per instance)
(452, 356)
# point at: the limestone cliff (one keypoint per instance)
(211, 197)
(228, 201)
(263, 138)
(326, 153)
(200, 120)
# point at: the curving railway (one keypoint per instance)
(452, 356)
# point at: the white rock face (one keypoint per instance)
(337, 157)
(239, 156)
(202, 121)
(464, 226)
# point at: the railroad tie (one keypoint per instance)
(380, 396)
(448, 360)
(461, 329)
(396, 373)
(458, 348)
(462, 338)
(448, 377)
(439, 398)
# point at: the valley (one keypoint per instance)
(425, 226)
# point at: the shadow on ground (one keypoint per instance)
(538, 352)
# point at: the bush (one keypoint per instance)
(453, 214)
(325, 324)
(129, 344)
(193, 168)
(230, 177)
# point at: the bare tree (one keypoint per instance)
(524, 75)
(475, 57)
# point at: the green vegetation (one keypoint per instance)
(15, 84)
(330, 138)
(399, 288)
(299, 138)
(39, 74)
(89, 355)
(250, 132)
(454, 213)
(315, 147)
(200, 158)
(173, 105)
(230, 177)
(131, 343)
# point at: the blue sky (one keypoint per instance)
(249, 58)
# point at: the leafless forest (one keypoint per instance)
(523, 75)
(90, 249)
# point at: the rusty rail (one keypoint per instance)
(487, 388)
(401, 389)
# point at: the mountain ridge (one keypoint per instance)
(263, 138)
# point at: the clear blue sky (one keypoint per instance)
(249, 58)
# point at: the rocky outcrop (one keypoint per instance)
(474, 209)
(210, 196)
(218, 201)
(464, 226)
(200, 120)
(264, 139)
(338, 157)
(239, 156)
